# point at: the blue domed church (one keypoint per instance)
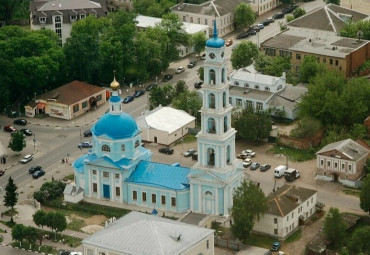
(119, 168)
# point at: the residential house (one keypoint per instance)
(165, 125)
(263, 6)
(68, 101)
(248, 88)
(342, 162)
(220, 10)
(139, 233)
(59, 15)
(287, 208)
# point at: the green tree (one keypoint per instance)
(335, 133)
(17, 142)
(249, 204)
(180, 88)
(337, 2)
(344, 251)
(18, 233)
(49, 191)
(286, 1)
(244, 54)
(161, 95)
(59, 222)
(298, 12)
(200, 73)
(199, 42)
(152, 8)
(359, 241)
(11, 194)
(244, 15)
(188, 101)
(365, 194)
(307, 127)
(7, 9)
(358, 131)
(277, 66)
(334, 227)
(310, 68)
(289, 18)
(367, 167)
(30, 234)
(40, 218)
(351, 29)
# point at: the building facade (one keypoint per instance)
(263, 6)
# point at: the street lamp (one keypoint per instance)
(34, 143)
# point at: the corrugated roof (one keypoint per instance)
(348, 147)
(250, 93)
(160, 175)
(247, 76)
(140, 234)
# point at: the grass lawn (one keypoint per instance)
(261, 241)
(76, 224)
(44, 248)
(294, 154)
(294, 237)
(188, 138)
(352, 192)
(68, 178)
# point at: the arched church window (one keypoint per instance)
(224, 99)
(246, 85)
(57, 19)
(212, 77)
(256, 86)
(210, 157)
(236, 83)
(228, 154)
(211, 126)
(137, 143)
(267, 88)
(211, 101)
(226, 126)
(223, 75)
(105, 148)
(208, 193)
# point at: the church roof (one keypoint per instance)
(160, 175)
(116, 126)
(215, 42)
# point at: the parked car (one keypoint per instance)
(243, 35)
(278, 16)
(195, 156)
(265, 167)
(12, 114)
(9, 128)
(260, 25)
(2, 172)
(139, 93)
(247, 162)
(180, 69)
(167, 77)
(38, 174)
(229, 43)
(34, 169)
(26, 131)
(85, 145)
(75, 253)
(21, 122)
(87, 133)
(192, 64)
(255, 28)
(189, 152)
(252, 31)
(249, 153)
(166, 150)
(242, 156)
(198, 85)
(267, 22)
(275, 246)
(255, 166)
(151, 86)
(287, 10)
(26, 159)
(64, 252)
(128, 99)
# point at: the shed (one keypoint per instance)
(73, 194)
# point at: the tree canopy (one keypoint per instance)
(337, 2)
(334, 228)
(17, 142)
(11, 194)
(310, 68)
(365, 194)
(153, 8)
(350, 29)
(244, 54)
(274, 66)
(199, 41)
(188, 101)
(244, 15)
(359, 241)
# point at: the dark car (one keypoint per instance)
(275, 246)
(287, 10)
(251, 31)
(255, 28)
(166, 150)
(267, 22)
(254, 166)
(151, 86)
(189, 152)
(242, 35)
(34, 169)
(192, 64)
(265, 167)
(198, 85)
(167, 77)
(38, 174)
(9, 128)
(139, 93)
(87, 133)
(26, 131)
(128, 99)
(85, 145)
(21, 122)
(278, 16)
(2, 172)
(12, 114)
(64, 252)
(195, 156)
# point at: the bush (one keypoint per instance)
(307, 127)
(49, 191)
(289, 18)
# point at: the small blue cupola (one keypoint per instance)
(215, 42)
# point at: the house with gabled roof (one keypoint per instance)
(287, 207)
(139, 233)
(342, 161)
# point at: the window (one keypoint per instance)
(275, 220)
(116, 176)
(173, 201)
(191, 19)
(42, 20)
(335, 165)
(105, 174)
(286, 230)
(143, 194)
(137, 143)
(94, 172)
(183, 18)
(298, 56)
(249, 103)
(57, 19)
(267, 88)
(324, 60)
(82, 16)
(154, 198)
(102, 253)
(279, 87)
(275, 231)
(259, 106)
(284, 53)
(292, 215)
(73, 17)
(76, 108)
(84, 105)
(322, 162)
(328, 163)
(308, 202)
(58, 25)
(331, 61)
(350, 167)
(246, 85)
(239, 102)
(123, 147)
(270, 52)
(134, 195)
(287, 218)
(299, 210)
(311, 199)
(207, 244)
(256, 86)
(105, 148)
(163, 200)
(342, 166)
(90, 252)
(118, 191)
(318, 59)
(99, 97)
(336, 62)
(236, 83)
(311, 211)
(95, 187)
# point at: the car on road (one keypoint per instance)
(252, 31)
(287, 10)
(249, 153)
(275, 246)
(128, 99)
(192, 64)
(26, 131)
(278, 16)
(21, 122)
(229, 43)
(247, 162)
(180, 69)
(166, 150)
(189, 152)
(198, 85)
(255, 166)
(167, 77)
(151, 86)
(2, 172)
(64, 252)
(87, 133)
(26, 159)
(38, 174)
(139, 93)
(85, 145)
(195, 156)
(255, 28)
(265, 167)
(34, 169)
(242, 156)
(267, 22)
(9, 128)
(260, 25)
(243, 35)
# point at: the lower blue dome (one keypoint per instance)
(215, 42)
(116, 126)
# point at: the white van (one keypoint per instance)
(279, 171)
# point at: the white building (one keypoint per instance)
(190, 28)
(263, 92)
(263, 6)
(139, 233)
(59, 15)
(164, 125)
(286, 207)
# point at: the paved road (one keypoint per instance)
(5, 250)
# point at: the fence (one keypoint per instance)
(229, 244)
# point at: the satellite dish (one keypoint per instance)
(360, 35)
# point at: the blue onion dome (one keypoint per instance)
(215, 42)
(116, 126)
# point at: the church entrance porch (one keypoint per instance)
(208, 203)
